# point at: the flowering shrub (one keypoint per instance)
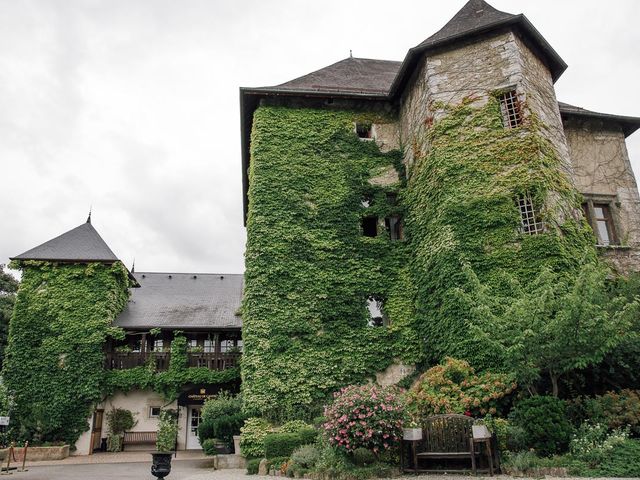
(364, 416)
(613, 409)
(454, 387)
(593, 442)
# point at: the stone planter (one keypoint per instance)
(236, 445)
(480, 431)
(412, 434)
(36, 454)
(161, 466)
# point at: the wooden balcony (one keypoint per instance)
(212, 361)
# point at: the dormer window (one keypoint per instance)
(510, 109)
(364, 131)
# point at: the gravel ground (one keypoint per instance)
(181, 470)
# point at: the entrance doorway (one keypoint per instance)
(96, 431)
(193, 421)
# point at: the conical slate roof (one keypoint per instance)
(475, 15)
(82, 244)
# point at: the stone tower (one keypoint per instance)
(387, 182)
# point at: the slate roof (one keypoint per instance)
(628, 124)
(351, 75)
(473, 16)
(81, 244)
(184, 301)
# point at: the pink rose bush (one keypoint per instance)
(364, 416)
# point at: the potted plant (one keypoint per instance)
(411, 431)
(165, 444)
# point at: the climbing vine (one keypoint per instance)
(168, 383)
(54, 360)
(462, 210)
(310, 270)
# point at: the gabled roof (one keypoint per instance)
(184, 300)
(628, 124)
(82, 244)
(351, 75)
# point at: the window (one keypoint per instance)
(136, 345)
(239, 345)
(529, 216)
(158, 344)
(377, 317)
(394, 227)
(370, 226)
(510, 109)
(366, 201)
(209, 345)
(364, 130)
(154, 412)
(226, 345)
(392, 198)
(598, 212)
(192, 344)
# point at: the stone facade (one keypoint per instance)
(603, 173)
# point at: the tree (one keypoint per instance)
(557, 324)
(8, 289)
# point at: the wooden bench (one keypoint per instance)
(139, 438)
(445, 437)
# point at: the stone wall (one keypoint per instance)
(477, 69)
(601, 168)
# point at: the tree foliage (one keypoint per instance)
(550, 327)
(8, 289)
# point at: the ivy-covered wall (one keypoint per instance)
(461, 203)
(54, 361)
(309, 269)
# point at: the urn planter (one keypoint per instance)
(161, 466)
(412, 434)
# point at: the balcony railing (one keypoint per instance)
(212, 361)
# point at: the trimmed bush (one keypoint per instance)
(281, 444)
(253, 466)
(308, 436)
(306, 456)
(205, 431)
(294, 426)
(545, 424)
(209, 447)
(252, 436)
(363, 457)
(223, 404)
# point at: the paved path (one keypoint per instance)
(180, 470)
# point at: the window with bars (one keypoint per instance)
(599, 215)
(510, 109)
(530, 221)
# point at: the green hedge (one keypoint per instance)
(281, 444)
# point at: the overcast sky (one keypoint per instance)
(131, 106)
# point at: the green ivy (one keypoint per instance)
(309, 269)
(461, 201)
(170, 382)
(54, 359)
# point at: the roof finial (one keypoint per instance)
(133, 265)
(89, 217)
(350, 53)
